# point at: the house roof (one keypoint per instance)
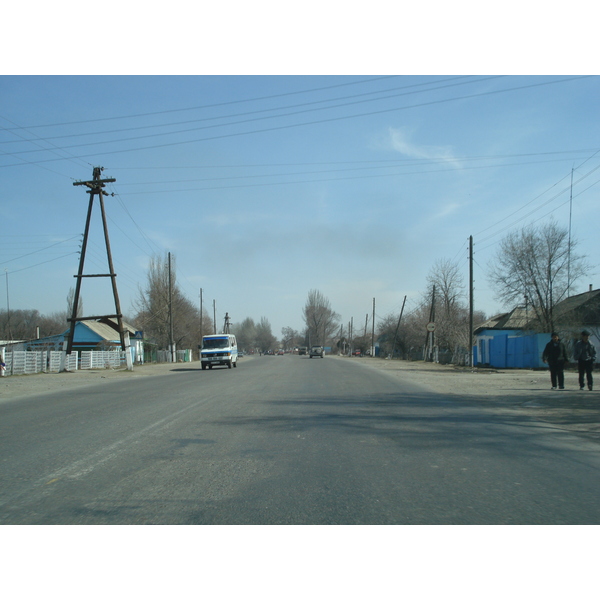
(111, 322)
(515, 319)
(106, 332)
(586, 306)
(582, 308)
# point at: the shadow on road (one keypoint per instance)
(402, 416)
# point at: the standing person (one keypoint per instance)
(555, 354)
(585, 355)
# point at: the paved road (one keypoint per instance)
(286, 440)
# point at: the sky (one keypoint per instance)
(263, 183)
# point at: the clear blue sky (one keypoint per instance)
(265, 187)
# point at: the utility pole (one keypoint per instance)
(214, 316)
(373, 332)
(8, 307)
(430, 329)
(95, 186)
(569, 249)
(201, 319)
(471, 303)
(398, 327)
(171, 341)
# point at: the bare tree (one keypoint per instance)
(245, 332)
(153, 308)
(19, 324)
(537, 266)
(265, 340)
(321, 321)
(289, 337)
(451, 311)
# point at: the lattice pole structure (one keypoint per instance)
(95, 189)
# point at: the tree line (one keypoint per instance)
(537, 266)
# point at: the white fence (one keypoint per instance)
(102, 359)
(48, 361)
(28, 363)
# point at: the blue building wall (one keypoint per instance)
(510, 349)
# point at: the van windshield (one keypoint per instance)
(215, 343)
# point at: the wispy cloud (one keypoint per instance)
(447, 210)
(401, 142)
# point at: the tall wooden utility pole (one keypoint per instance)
(95, 189)
(398, 327)
(569, 247)
(373, 332)
(201, 325)
(430, 343)
(471, 301)
(171, 336)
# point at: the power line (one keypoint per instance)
(54, 150)
(351, 162)
(304, 181)
(264, 110)
(252, 120)
(539, 208)
(371, 165)
(216, 105)
(41, 249)
(550, 212)
(307, 123)
(42, 263)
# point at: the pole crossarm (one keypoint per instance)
(95, 318)
(96, 184)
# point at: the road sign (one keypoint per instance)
(430, 327)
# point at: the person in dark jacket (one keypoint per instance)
(585, 355)
(555, 354)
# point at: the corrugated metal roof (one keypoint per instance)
(115, 325)
(105, 331)
(584, 307)
(515, 319)
(574, 303)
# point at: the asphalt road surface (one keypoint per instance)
(286, 440)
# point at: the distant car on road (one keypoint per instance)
(280, 353)
(317, 351)
(302, 350)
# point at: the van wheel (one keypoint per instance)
(235, 365)
(229, 365)
(204, 366)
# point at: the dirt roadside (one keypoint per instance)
(525, 391)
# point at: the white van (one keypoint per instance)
(219, 349)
